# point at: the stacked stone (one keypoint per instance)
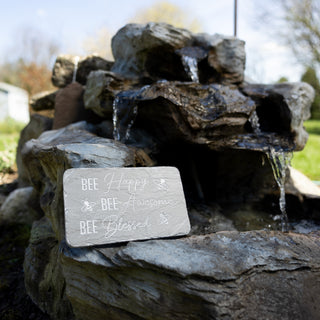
(210, 274)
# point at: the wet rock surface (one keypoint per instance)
(291, 101)
(215, 115)
(154, 51)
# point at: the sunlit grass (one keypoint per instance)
(10, 125)
(308, 160)
(9, 137)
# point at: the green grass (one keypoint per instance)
(308, 160)
(11, 126)
(9, 137)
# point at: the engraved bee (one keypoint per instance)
(164, 218)
(161, 184)
(87, 206)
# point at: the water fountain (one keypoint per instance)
(280, 160)
(76, 62)
(214, 128)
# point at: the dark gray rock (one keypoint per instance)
(138, 49)
(43, 100)
(44, 280)
(89, 64)
(37, 125)
(66, 65)
(191, 112)
(194, 113)
(227, 275)
(16, 209)
(54, 151)
(213, 114)
(100, 91)
(155, 51)
(226, 55)
(63, 70)
(283, 107)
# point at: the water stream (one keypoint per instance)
(280, 161)
(75, 69)
(125, 110)
(124, 114)
(254, 121)
(190, 65)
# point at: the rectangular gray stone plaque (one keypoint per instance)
(108, 205)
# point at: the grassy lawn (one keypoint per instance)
(308, 160)
(9, 136)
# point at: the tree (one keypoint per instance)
(31, 67)
(303, 21)
(99, 44)
(165, 11)
(297, 24)
(162, 11)
(310, 77)
(283, 79)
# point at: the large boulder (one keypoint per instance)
(44, 279)
(215, 115)
(46, 159)
(55, 151)
(227, 275)
(138, 49)
(156, 50)
(283, 107)
(101, 89)
(226, 56)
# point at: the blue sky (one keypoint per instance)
(71, 21)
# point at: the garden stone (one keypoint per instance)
(47, 157)
(16, 209)
(186, 278)
(37, 125)
(155, 51)
(283, 107)
(66, 65)
(44, 279)
(43, 100)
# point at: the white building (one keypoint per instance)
(14, 103)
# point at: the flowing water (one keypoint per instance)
(254, 121)
(124, 114)
(125, 110)
(76, 62)
(280, 161)
(190, 65)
